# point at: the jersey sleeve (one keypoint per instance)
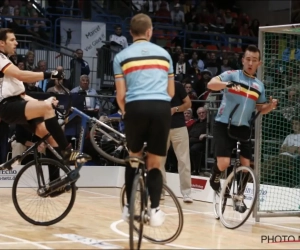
(4, 63)
(171, 70)
(227, 76)
(262, 97)
(118, 72)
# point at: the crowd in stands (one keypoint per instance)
(195, 61)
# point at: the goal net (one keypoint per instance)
(277, 158)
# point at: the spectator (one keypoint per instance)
(177, 16)
(37, 27)
(7, 9)
(65, 82)
(119, 39)
(29, 61)
(190, 92)
(57, 89)
(286, 165)
(85, 68)
(163, 15)
(91, 103)
(27, 9)
(191, 19)
(213, 65)
(42, 67)
(188, 117)
(225, 66)
(178, 136)
(200, 63)
(236, 62)
(197, 139)
(181, 67)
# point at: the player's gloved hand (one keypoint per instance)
(54, 74)
(234, 85)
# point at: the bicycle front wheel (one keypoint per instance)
(238, 197)
(172, 227)
(35, 209)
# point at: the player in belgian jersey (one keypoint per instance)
(145, 85)
(238, 87)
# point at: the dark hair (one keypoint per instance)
(4, 32)
(252, 48)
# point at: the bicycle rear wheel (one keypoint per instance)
(136, 211)
(108, 144)
(172, 227)
(216, 201)
(35, 209)
(238, 197)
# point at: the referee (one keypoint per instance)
(145, 85)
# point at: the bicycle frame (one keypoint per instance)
(85, 121)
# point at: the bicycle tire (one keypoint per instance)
(222, 197)
(132, 228)
(180, 213)
(100, 150)
(216, 205)
(42, 161)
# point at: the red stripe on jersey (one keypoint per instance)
(142, 67)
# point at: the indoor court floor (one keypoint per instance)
(94, 223)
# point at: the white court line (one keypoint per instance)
(95, 197)
(162, 205)
(114, 228)
(209, 213)
(39, 242)
(283, 227)
(24, 241)
(108, 195)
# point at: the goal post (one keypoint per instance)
(277, 146)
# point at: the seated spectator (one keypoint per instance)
(163, 15)
(181, 67)
(32, 87)
(195, 57)
(91, 103)
(213, 65)
(188, 117)
(37, 28)
(284, 169)
(29, 61)
(7, 9)
(292, 106)
(225, 66)
(177, 16)
(66, 82)
(189, 90)
(191, 19)
(57, 89)
(197, 140)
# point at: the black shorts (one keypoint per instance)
(150, 122)
(12, 111)
(223, 144)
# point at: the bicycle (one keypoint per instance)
(139, 215)
(239, 190)
(64, 182)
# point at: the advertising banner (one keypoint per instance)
(87, 36)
